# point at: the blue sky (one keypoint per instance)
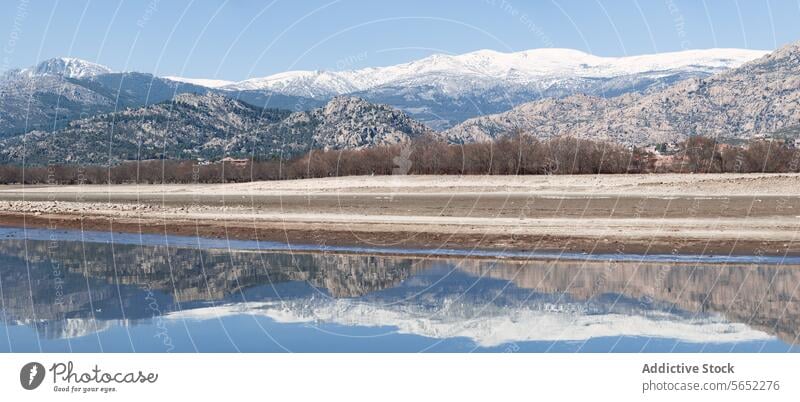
(241, 39)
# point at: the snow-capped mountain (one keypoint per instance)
(67, 67)
(313, 84)
(454, 73)
(442, 90)
(54, 92)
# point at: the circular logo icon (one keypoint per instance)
(31, 375)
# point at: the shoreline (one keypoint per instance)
(454, 246)
(670, 214)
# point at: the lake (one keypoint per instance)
(67, 291)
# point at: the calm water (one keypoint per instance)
(63, 291)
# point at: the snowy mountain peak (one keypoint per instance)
(67, 67)
(312, 84)
(458, 73)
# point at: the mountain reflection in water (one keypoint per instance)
(79, 296)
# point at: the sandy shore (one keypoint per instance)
(702, 214)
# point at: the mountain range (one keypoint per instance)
(440, 90)
(210, 126)
(76, 111)
(758, 99)
(57, 91)
(443, 90)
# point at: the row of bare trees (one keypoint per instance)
(510, 155)
(701, 154)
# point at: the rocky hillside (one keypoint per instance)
(351, 123)
(760, 98)
(211, 127)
